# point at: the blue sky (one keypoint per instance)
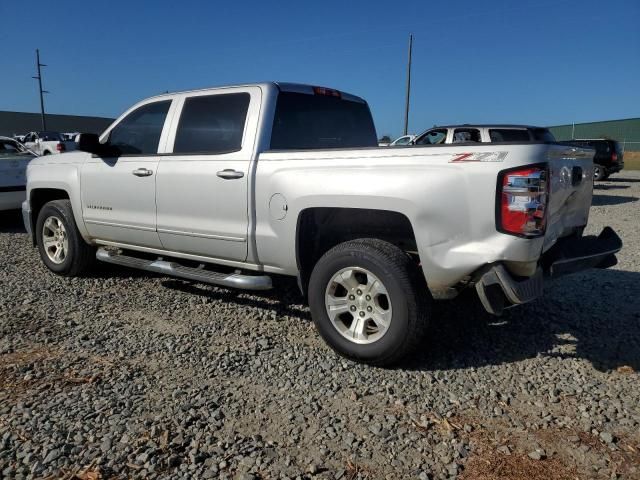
(542, 62)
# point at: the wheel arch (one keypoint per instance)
(319, 229)
(38, 198)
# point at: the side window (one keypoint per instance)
(465, 135)
(212, 124)
(509, 135)
(139, 132)
(433, 137)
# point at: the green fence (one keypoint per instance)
(626, 131)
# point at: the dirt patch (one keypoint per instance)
(491, 465)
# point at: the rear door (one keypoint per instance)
(202, 188)
(119, 193)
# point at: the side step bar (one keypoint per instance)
(232, 280)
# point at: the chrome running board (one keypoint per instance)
(232, 280)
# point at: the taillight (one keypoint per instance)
(60, 147)
(329, 92)
(614, 157)
(523, 195)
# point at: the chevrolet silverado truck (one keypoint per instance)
(48, 143)
(232, 186)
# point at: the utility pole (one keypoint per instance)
(406, 108)
(39, 78)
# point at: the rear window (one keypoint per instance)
(50, 136)
(509, 135)
(318, 121)
(601, 146)
(212, 124)
(542, 135)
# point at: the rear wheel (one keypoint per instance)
(369, 301)
(61, 247)
(599, 173)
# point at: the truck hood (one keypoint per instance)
(68, 158)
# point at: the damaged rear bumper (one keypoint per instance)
(498, 289)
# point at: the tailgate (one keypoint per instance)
(571, 189)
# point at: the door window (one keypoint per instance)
(212, 124)
(465, 135)
(139, 132)
(509, 135)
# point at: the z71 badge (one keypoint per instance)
(479, 157)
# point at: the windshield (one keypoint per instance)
(305, 121)
(50, 136)
(10, 146)
(433, 137)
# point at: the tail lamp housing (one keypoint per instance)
(522, 200)
(60, 147)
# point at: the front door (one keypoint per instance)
(203, 183)
(118, 194)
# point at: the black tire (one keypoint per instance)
(79, 255)
(599, 173)
(46, 152)
(407, 293)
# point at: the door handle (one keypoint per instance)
(230, 174)
(142, 172)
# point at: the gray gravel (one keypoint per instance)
(129, 375)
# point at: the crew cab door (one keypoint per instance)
(202, 186)
(119, 193)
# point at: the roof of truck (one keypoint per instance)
(487, 125)
(282, 86)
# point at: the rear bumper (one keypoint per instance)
(498, 289)
(615, 168)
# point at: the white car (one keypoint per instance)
(403, 140)
(48, 143)
(14, 158)
(469, 134)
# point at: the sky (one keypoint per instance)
(543, 62)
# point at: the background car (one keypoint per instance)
(48, 143)
(608, 158)
(403, 140)
(14, 158)
(483, 134)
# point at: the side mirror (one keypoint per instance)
(89, 142)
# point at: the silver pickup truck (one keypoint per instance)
(232, 186)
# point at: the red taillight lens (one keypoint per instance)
(523, 196)
(60, 147)
(614, 157)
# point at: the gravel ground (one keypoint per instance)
(129, 375)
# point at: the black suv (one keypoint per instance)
(608, 157)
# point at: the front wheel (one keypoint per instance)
(61, 247)
(369, 301)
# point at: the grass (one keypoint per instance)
(632, 160)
